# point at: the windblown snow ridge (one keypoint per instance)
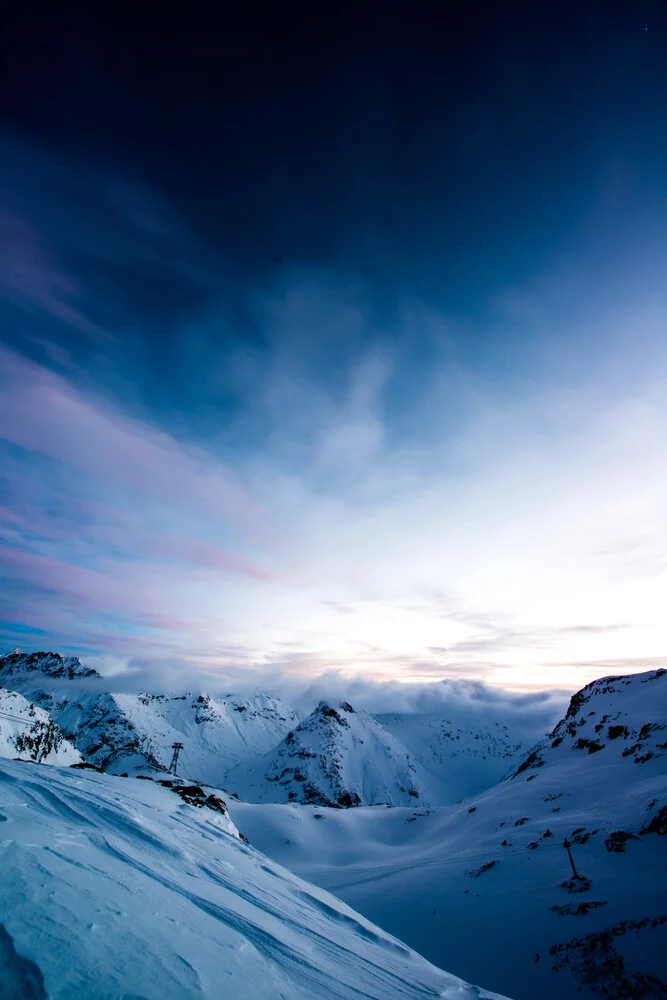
(115, 887)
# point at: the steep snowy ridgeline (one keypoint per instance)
(115, 887)
(18, 665)
(485, 888)
(334, 757)
(128, 732)
(29, 732)
(624, 716)
(454, 761)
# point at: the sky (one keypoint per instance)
(334, 340)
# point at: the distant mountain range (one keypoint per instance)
(261, 749)
(18, 664)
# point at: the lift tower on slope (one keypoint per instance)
(176, 747)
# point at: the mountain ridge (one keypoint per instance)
(52, 665)
(238, 742)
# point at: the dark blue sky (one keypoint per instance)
(361, 249)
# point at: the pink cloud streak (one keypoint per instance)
(41, 412)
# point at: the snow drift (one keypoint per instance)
(115, 887)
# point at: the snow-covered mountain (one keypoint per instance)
(135, 732)
(29, 732)
(335, 757)
(487, 885)
(129, 732)
(262, 749)
(625, 716)
(18, 666)
(116, 887)
(453, 760)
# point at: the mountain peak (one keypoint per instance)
(621, 715)
(326, 711)
(335, 757)
(47, 663)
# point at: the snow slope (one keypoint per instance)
(217, 732)
(336, 756)
(116, 887)
(29, 732)
(485, 888)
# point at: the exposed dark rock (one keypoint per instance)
(578, 883)
(658, 824)
(330, 713)
(192, 794)
(476, 872)
(617, 840)
(216, 803)
(596, 963)
(39, 740)
(591, 745)
(581, 835)
(578, 909)
(648, 728)
(533, 760)
(347, 801)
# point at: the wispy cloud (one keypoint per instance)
(341, 490)
(31, 279)
(488, 565)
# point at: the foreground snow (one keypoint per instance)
(115, 887)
